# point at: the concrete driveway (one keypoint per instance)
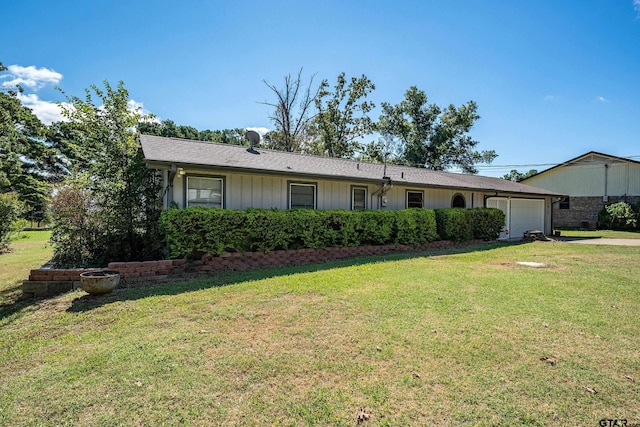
(599, 241)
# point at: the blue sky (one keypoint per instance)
(553, 79)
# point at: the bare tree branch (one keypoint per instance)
(291, 112)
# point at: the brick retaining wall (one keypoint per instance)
(47, 282)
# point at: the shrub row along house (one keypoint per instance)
(590, 181)
(213, 175)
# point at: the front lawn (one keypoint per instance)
(604, 234)
(30, 250)
(466, 338)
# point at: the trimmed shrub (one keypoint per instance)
(618, 216)
(192, 232)
(486, 223)
(414, 225)
(454, 224)
(376, 227)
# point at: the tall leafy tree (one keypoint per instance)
(342, 115)
(431, 137)
(29, 163)
(124, 195)
(291, 114)
(233, 136)
(517, 176)
(169, 129)
(11, 209)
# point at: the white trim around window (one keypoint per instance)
(302, 195)
(359, 198)
(414, 199)
(206, 192)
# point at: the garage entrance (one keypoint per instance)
(520, 215)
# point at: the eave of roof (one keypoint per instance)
(162, 151)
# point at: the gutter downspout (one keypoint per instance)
(484, 203)
(553, 202)
(626, 190)
(384, 187)
(170, 176)
(605, 197)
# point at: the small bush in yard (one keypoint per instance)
(618, 216)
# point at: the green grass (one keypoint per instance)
(605, 234)
(430, 339)
(30, 250)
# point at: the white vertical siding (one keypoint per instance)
(588, 179)
(244, 191)
(624, 179)
(434, 198)
(333, 194)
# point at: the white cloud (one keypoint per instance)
(549, 98)
(30, 77)
(138, 107)
(636, 6)
(48, 112)
(602, 99)
(134, 105)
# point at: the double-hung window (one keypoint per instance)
(302, 195)
(415, 199)
(205, 192)
(358, 198)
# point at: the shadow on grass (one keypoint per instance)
(576, 238)
(10, 301)
(88, 302)
(227, 278)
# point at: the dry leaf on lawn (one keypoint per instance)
(363, 416)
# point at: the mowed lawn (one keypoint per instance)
(437, 338)
(30, 250)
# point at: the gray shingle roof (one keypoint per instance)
(181, 152)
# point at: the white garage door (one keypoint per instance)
(526, 214)
(520, 215)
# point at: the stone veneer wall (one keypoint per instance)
(47, 282)
(583, 209)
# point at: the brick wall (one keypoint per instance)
(48, 282)
(584, 209)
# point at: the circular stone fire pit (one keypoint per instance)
(99, 282)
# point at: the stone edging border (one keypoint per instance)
(46, 282)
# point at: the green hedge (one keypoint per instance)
(459, 224)
(487, 223)
(194, 231)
